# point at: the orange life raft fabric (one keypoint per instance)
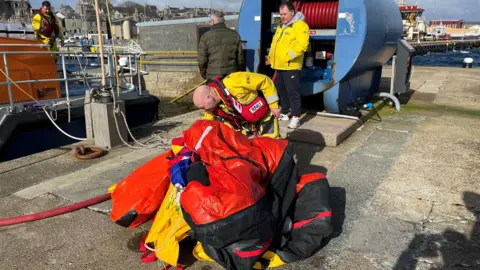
(243, 200)
(137, 198)
(236, 167)
(237, 213)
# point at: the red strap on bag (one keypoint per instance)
(148, 256)
(142, 243)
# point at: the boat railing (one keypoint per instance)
(25, 45)
(133, 68)
(131, 47)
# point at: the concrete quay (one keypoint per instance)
(405, 190)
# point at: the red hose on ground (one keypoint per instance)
(54, 212)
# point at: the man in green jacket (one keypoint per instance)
(219, 50)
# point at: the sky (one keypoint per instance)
(468, 10)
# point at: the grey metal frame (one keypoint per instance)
(110, 64)
(400, 83)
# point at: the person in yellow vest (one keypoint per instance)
(46, 27)
(245, 101)
(286, 54)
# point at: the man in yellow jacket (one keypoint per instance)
(245, 101)
(46, 27)
(289, 44)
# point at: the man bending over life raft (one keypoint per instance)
(245, 101)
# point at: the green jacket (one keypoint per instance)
(220, 52)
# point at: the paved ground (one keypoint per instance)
(404, 191)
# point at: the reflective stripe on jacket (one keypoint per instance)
(245, 86)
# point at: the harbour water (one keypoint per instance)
(449, 59)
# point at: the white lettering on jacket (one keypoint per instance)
(256, 106)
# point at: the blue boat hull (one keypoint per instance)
(32, 132)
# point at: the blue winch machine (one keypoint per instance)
(350, 41)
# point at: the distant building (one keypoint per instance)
(84, 7)
(173, 13)
(81, 19)
(124, 29)
(471, 24)
(137, 12)
(76, 23)
(152, 13)
(16, 11)
(447, 23)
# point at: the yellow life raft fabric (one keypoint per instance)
(168, 229)
(274, 259)
(200, 255)
(111, 189)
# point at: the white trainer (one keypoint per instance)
(283, 117)
(294, 122)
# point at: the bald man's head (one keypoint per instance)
(205, 98)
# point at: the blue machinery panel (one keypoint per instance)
(249, 28)
(365, 38)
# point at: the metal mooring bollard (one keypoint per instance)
(467, 62)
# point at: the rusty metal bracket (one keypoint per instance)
(86, 153)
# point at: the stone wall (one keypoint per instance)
(175, 34)
(170, 80)
(169, 85)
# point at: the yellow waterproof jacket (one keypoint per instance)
(289, 44)
(37, 24)
(244, 86)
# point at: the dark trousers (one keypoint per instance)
(287, 83)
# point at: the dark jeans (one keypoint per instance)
(287, 83)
